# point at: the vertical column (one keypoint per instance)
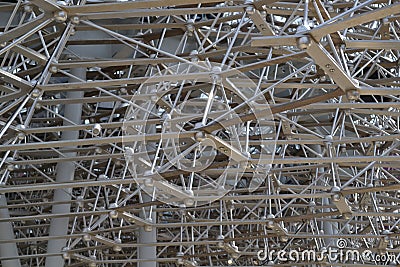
(329, 228)
(145, 237)
(65, 172)
(7, 233)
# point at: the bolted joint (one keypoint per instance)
(75, 20)
(303, 42)
(250, 10)
(216, 75)
(194, 55)
(190, 28)
(28, 8)
(96, 130)
(66, 253)
(60, 16)
(353, 94)
(336, 194)
(36, 93)
(148, 227)
(53, 69)
(189, 202)
(86, 236)
(113, 214)
(200, 136)
(117, 247)
(180, 260)
(20, 131)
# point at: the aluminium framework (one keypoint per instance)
(198, 133)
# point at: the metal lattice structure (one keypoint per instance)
(114, 114)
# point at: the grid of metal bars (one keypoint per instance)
(72, 71)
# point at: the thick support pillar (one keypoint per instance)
(329, 228)
(7, 233)
(65, 172)
(147, 252)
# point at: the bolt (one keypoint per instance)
(28, 9)
(303, 42)
(353, 94)
(75, 20)
(60, 16)
(35, 93)
(53, 69)
(250, 10)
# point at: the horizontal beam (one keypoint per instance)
(373, 44)
(355, 20)
(110, 7)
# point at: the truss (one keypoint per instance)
(198, 133)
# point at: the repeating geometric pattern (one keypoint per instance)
(73, 79)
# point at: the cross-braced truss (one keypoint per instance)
(74, 111)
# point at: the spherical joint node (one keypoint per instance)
(250, 10)
(148, 228)
(190, 27)
(189, 202)
(270, 224)
(102, 177)
(65, 253)
(353, 94)
(53, 69)
(200, 136)
(216, 75)
(129, 151)
(36, 93)
(117, 248)
(347, 216)
(283, 238)
(386, 232)
(86, 237)
(75, 20)
(270, 216)
(216, 69)
(28, 8)
(113, 214)
(20, 127)
(328, 138)
(96, 130)
(179, 259)
(194, 55)
(335, 189)
(60, 16)
(21, 136)
(303, 42)
(336, 193)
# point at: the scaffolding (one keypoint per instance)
(199, 133)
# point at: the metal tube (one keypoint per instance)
(329, 228)
(65, 173)
(147, 237)
(7, 233)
